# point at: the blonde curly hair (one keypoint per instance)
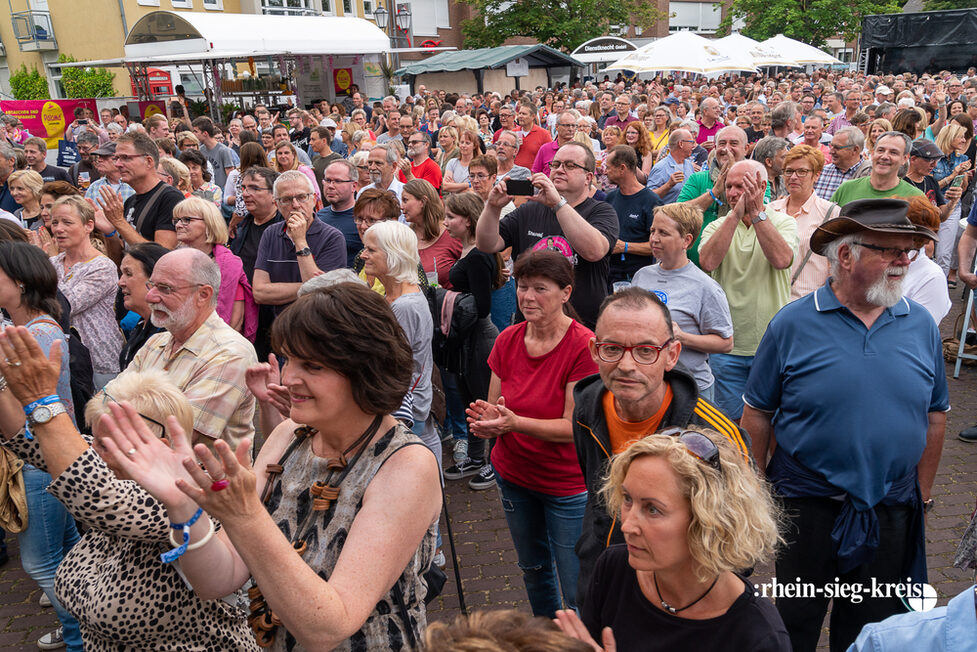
(736, 523)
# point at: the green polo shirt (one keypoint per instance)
(862, 189)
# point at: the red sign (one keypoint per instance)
(46, 119)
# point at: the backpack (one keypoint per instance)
(447, 339)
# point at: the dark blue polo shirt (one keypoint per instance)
(276, 253)
(850, 403)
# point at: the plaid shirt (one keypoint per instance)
(209, 368)
(831, 177)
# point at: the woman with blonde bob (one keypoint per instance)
(200, 225)
(692, 512)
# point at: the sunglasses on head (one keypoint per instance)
(697, 445)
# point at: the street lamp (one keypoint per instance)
(380, 15)
(403, 20)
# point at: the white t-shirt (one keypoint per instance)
(925, 283)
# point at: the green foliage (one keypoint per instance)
(562, 24)
(86, 82)
(810, 21)
(28, 84)
(937, 5)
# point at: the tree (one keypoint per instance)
(562, 24)
(86, 82)
(810, 21)
(28, 84)
(937, 5)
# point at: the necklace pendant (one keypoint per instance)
(669, 608)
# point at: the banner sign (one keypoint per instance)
(46, 119)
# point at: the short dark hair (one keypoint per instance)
(637, 298)
(205, 124)
(28, 266)
(147, 254)
(259, 172)
(330, 326)
(624, 155)
(552, 265)
(195, 157)
(59, 189)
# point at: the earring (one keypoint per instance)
(21, 286)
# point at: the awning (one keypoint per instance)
(165, 34)
(539, 56)
(603, 48)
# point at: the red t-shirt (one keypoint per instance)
(445, 252)
(536, 388)
(531, 143)
(428, 170)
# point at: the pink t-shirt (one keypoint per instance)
(705, 133)
(536, 388)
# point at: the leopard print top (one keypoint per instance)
(289, 504)
(113, 582)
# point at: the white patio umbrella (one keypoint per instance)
(763, 55)
(684, 52)
(802, 53)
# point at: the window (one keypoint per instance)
(368, 8)
(214, 5)
(149, 3)
(693, 17)
(348, 8)
(182, 4)
(326, 6)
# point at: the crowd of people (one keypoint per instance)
(684, 328)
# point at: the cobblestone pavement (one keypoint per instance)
(491, 578)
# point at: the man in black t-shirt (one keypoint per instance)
(634, 205)
(560, 216)
(146, 216)
(922, 159)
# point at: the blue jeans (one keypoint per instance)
(731, 372)
(455, 420)
(49, 536)
(544, 531)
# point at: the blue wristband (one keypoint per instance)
(176, 553)
(714, 197)
(47, 400)
(112, 235)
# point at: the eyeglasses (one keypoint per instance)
(166, 289)
(478, 177)
(365, 221)
(563, 124)
(336, 182)
(697, 445)
(301, 199)
(801, 173)
(890, 253)
(185, 221)
(106, 397)
(569, 166)
(125, 158)
(250, 188)
(833, 146)
(640, 353)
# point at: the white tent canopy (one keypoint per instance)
(166, 33)
(802, 53)
(684, 52)
(763, 55)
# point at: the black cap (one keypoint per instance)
(926, 149)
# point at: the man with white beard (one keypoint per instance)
(849, 382)
(203, 356)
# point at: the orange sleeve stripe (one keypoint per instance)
(715, 418)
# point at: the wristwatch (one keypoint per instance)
(760, 217)
(563, 202)
(44, 413)
(304, 252)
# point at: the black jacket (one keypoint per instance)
(593, 444)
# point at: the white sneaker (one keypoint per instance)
(52, 640)
(439, 559)
(460, 451)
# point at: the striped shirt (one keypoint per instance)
(831, 177)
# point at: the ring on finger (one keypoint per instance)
(16, 363)
(131, 452)
(219, 485)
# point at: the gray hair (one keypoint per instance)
(831, 250)
(204, 271)
(756, 166)
(291, 175)
(7, 150)
(855, 137)
(114, 127)
(516, 137)
(328, 279)
(358, 136)
(907, 143)
(87, 137)
(768, 147)
(733, 129)
(353, 172)
(393, 155)
(783, 114)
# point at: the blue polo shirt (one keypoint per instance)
(276, 253)
(663, 169)
(944, 629)
(850, 403)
